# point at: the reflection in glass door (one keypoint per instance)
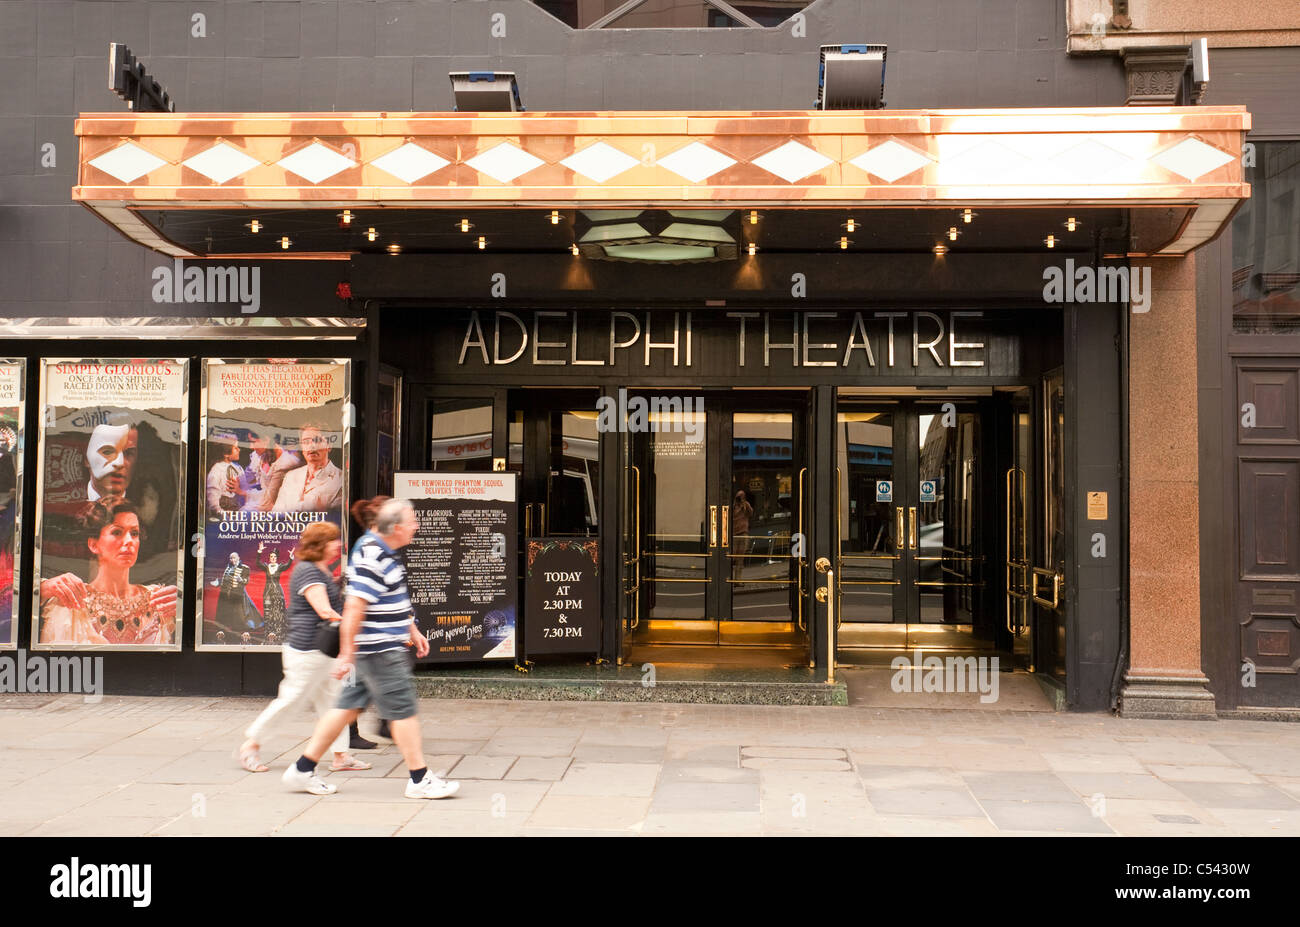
(678, 523)
(461, 435)
(712, 497)
(554, 448)
(909, 524)
(762, 598)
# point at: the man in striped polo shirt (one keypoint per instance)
(376, 630)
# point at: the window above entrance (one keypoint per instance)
(671, 14)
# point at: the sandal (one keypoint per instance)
(250, 761)
(349, 764)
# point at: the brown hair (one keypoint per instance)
(94, 517)
(365, 511)
(314, 538)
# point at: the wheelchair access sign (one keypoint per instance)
(927, 491)
(884, 490)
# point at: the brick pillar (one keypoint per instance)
(1164, 677)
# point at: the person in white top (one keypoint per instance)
(317, 486)
(223, 485)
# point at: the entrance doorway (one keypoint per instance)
(916, 526)
(714, 507)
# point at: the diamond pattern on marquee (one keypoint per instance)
(696, 162)
(987, 163)
(316, 163)
(1093, 160)
(410, 162)
(221, 162)
(505, 162)
(1191, 158)
(890, 161)
(600, 162)
(127, 162)
(792, 161)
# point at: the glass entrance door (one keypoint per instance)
(553, 447)
(910, 525)
(713, 495)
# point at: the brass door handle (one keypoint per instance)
(898, 510)
(911, 528)
(713, 526)
(726, 516)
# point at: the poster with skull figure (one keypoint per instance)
(110, 504)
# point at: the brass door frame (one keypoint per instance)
(720, 629)
(905, 634)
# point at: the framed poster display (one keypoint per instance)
(110, 504)
(462, 565)
(13, 378)
(274, 458)
(388, 437)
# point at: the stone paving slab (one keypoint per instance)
(163, 766)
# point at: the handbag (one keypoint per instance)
(327, 638)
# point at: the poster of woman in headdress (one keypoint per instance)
(110, 504)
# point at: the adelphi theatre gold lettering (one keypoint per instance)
(804, 339)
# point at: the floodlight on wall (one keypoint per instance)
(852, 77)
(485, 92)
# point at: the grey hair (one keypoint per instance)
(390, 513)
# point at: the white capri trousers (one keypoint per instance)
(307, 680)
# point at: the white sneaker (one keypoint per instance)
(430, 787)
(296, 780)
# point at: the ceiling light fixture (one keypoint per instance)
(967, 215)
(940, 249)
(371, 234)
(482, 242)
(952, 233)
(465, 225)
(1050, 241)
(851, 226)
(753, 249)
(1071, 224)
(555, 217)
(574, 249)
(394, 248)
(285, 242)
(346, 217)
(753, 217)
(671, 236)
(255, 226)
(844, 243)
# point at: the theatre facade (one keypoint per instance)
(824, 387)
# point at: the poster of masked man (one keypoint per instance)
(275, 458)
(110, 503)
(12, 377)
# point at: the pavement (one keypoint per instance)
(163, 766)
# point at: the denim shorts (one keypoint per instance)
(386, 679)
